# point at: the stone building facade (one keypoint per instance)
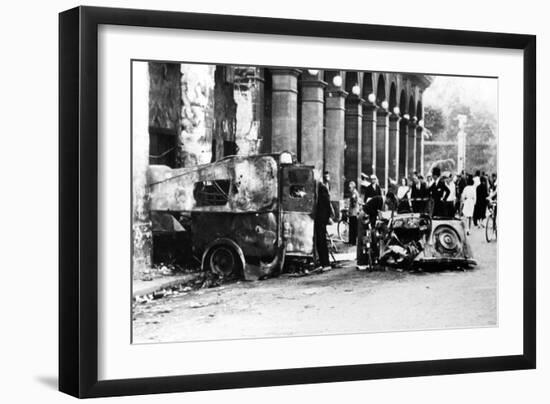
(344, 122)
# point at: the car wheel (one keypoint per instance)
(224, 261)
(447, 241)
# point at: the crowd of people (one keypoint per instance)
(444, 194)
(439, 194)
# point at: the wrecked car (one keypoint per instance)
(242, 215)
(415, 240)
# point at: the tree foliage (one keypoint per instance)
(480, 129)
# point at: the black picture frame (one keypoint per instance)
(78, 206)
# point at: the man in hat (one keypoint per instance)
(439, 193)
(373, 203)
(372, 192)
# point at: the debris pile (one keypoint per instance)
(161, 270)
(201, 280)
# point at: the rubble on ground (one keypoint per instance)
(161, 270)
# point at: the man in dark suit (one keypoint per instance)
(438, 193)
(373, 199)
(419, 195)
(323, 214)
(373, 189)
(373, 202)
(460, 185)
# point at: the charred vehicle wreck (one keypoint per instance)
(413, 241)
(241, 216)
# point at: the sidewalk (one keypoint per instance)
(142, 288)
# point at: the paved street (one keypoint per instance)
(343, 300)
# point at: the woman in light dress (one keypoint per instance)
(468, 199)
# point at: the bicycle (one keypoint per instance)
(491, 223)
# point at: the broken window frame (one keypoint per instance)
(206, 195)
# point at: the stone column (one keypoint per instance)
(419, 155)
(393, 147)
(313, 100)
(403, 169)
(248, 95)
(382, 151)
(334, 140)
(284, 110)
(411, 147)
(352, 136)
(368, 139)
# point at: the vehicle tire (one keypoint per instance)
(490, 230)
(343, 230)
(447, 241)
(224, 261)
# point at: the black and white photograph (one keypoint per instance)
(276, 201)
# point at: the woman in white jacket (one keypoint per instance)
(468, 200)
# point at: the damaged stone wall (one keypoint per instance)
(248, 95)
(225, 111)
(197, 115)
(141, 220)
(239, 110)
(164, 95)
(156, 105)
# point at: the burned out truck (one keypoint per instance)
(242, 216)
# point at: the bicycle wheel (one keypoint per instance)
(490, 229)
(343, 230)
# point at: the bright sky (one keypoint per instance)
(479, 93)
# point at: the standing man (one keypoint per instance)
(493, 182)
(419, 195)
(477, 178)
(374, 202)
(352, 212)
(323, 214)
(439, 193)
(371, 192)
(460, 185)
